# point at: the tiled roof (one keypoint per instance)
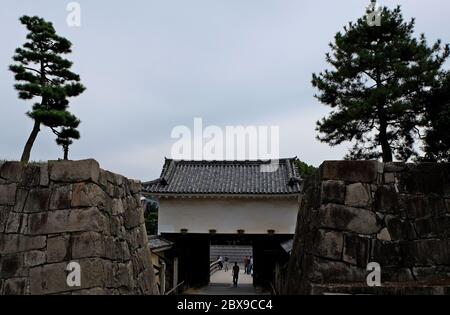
(226, 177)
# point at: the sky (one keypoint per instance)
(150, 66)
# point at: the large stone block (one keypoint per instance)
(88, 244)
(386, 253)
(333, 191)
(51, 278)
(12, 266)
(44, 178)
(90, 195)
(433, 227)
(8, 194)
(329, 244)
(31, 175)
(420, 206)
(356, 250)
(61, 197)
(14, 243)
(386, 200)
(351, 171)
(326, 271)
(34, 258)
(74, 171)
(427, 252)
(133, 217)
(57, 249)
(38, 200)
(4, 215)
(15, 286)
(433, 273)
(14, 222)
(64, 221)
(347, 219)
(357, 195)
(21, 198)
(424, 178)
(12, 171)
(399, 229)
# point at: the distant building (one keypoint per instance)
(226, 201)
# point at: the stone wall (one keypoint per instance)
(64, 211)
(356, 212)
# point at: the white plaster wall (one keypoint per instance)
(226, 216)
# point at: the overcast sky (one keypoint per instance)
(152, 65)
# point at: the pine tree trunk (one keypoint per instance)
(27, 149)
(66, 153)
(385, 146)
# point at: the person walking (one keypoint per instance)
(226, 264)
(246, 262)
(250, 265)
(235, 274)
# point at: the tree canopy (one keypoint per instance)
(44, 74)
(376, 87)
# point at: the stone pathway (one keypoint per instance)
(221, 283)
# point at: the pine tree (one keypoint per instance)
(66, 134)
(377, 75)
(43, 73)
(436, 121)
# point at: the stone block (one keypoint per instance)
(8, 194)
(44, 179)
(57, 249)
(15, 286)
(4, 215)
(14, 243)
(74, 171)
(31, 175)
(333, 191)
(350, 219)
(61, 197)
(135, 186)
(117, 207)
(427, 252)
(88, 244)
(356, 250)
(12, 266)
(38, 200)
(12, 171)
(14, 222)
(394, 167)
(21, 198)
(386, 200)
(357, 195)
(423, 178)
(384, 235)
(64, 221)
(433, 227)
(386, 253)
(51, 278)
(326, 271)
(420, 206)
(329, 244)
(351, 171)
(389, 178)
(34, 258)
(90, 195)
(399, 229)
(432, 273)
(133, 217)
